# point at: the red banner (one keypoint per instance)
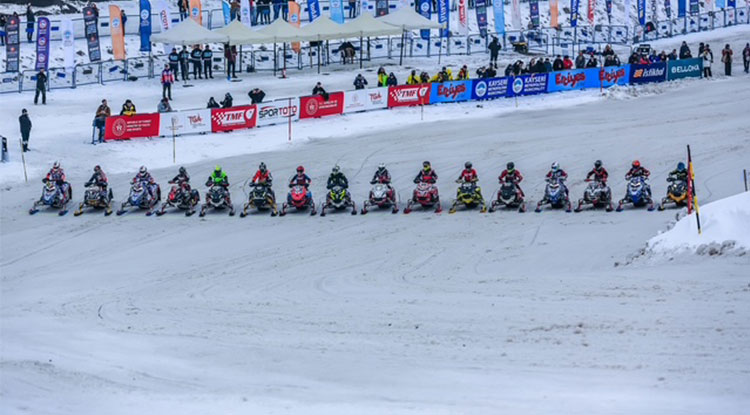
(408, 95)
(124, 127)
(315, 107)
(235, 118)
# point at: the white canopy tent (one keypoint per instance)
(365, 26)
(239, 34)
(407, 19)
(188, 32)
(281, 31)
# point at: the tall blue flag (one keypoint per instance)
(720, 4)
(42, 43)
(642, 12)
(499, 13)
(574, 13)
(732, 3)
(668, 8)
(313, 9)
(444, 11)
(693, 7)
(425, 9)
(227, 12)
(681, 8)
(145, 25)
(337, 10)
(481, 7)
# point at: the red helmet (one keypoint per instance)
(300, 169)
(636, 163)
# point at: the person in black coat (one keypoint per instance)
(494, 48)
(212, 103)
(256, 95)
(174, 63)
(557, 64)
(196, 57)
(685, 51)
(227, 101)
(184, 56)
(318, 90)
(207, 56)
(30, 20)
(25, 123)
(41, 87)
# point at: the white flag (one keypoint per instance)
(165, 21)
(245, 13)
(627, 13)
(68, 43)
(516, 15)
(463, 19)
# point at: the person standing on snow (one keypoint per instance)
(25, 124)
(360, 82)
(708, 59)
(494, 48)
(174, 62)
(580, 60)
(514, 176)
(41, 87)
(227, 101)
(746, 57)
(207, 56)
(128, 108)
(196, 57)
(184, 59)
(167, 79)
(685, 51)
(726, 57)
(30, 20)
(100, 119)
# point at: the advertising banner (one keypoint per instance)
(294, 20)
(694, 7)
(463, 19)
(123, 128)
(642, 74)
(165, 22)
(574, 13)
(246, 13)
(490, 88)
(278, 111)
(498, 10)
(481, 8)
(527, 84)
(313, 9)
(444, 10)
(42, 44)
(534, 13)
(553, 13)
(684, 68)
(195, 11)
(425, 9)
(641, 12)
(591, 11)
(568, 80)
(337, 10)
(91, 30)
(515, 14)
(681, 8)
(226, 11)
(68, 43)
(453, 91)
(314, 106)
(381, 7)
(365, 99)
(185, 122)
(408, 95)
(115, 29)
(12, 44)
(234, 118)
(145, 26)
(607, 76)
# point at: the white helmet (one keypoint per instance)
(143, 170)
(555, 166)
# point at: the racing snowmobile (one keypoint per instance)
(382, 196)
(469, 195)
(182, 197)
(299, 198)
(555, 196)
(217, 199)
(638, 194)
(54, 196)
(508, 196)
(676, 193)
(597, 194)
(338, 198)
(426, 195)
(260, 198)
(96, 197)
(140, 198)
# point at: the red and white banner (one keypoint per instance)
(185, 122)
(235, 118)
(123, 127)
(463, 20)
(592, 10)
(408, 95)
(277, 112)
(315, 107)
(365, 99)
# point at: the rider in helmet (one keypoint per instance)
(427, 174)
(144, 177)
(679, 174)
(599, 172)
(381, 176)
(468, 175)
(511, 174)
(182, 179)
(636, 170)
(337, 178)
(300, 179)
(263, 178)
(556, 173)
(56, 174)
(219, 178)
(99, 179)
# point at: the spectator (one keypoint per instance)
(463, 73)
(708, 59)
(256, 95)
(227, 101)
(94, 9)
(163, 106)
(360, 82)
(41, 87)
(424, 77)
(347, 51)
(592, 63)
(746, 57)
(701, 48)
(643, 60)
(539, 66)
(182, 5)
(167, 79)
(318, 90)
(413, 78)
(672, 55)
(174, 62)
(100, 118)
(25, 124)
(30, 20)
(567, 62)
(128, 108)
(230, 54)
(3, 34)
(207, 56)
(382, 77)
(234, 10)
(494, 48)
(490, 72)
(580, 60)
(277, 8)
(265, 8)
(608, 51)
(195, 58)
(663, 56)
(352, 9)
(392, 81)
(685, 51)
(547, 65)
(612, 60)
(184, 59)
(726, 57)
(634, 59)
(557, 65)
(212, 103)
(123, 19)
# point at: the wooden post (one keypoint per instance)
(23, 160)
(289, 108)
(174, 143)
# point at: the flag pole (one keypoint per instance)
(691, 177)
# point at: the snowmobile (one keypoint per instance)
(382, 196)
(141, 198)
(182, 197)
(298, 199)
(554, 195)
(426, 195)
(468, 194)
(96, 198)
(53, 196)
(260, 198)
(638, 194)
(508, 196)
(596, 194)
(217, 199)
(676, 193)
(338, 198)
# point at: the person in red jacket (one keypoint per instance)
(427, 174)
(599, 172)
(57, 175)
(263, 177)
(567, 62)
(468, 174)
(636, 170)
(512, 175)
(167, 79)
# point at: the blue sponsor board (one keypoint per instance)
(607, 76)
(567, 80)
(527, 84)
(453, 91)
(489, 88)
(642, 74)
(684, 68)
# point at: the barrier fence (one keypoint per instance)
(341, 102)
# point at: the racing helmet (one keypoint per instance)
(262, 167)
(467, 165)
(300, 169)
(426, 166)
(336, 169)
(510, 166)
(56, 165)
(598, 164)
(143, 170)
(636, 163)
(555, 166)
(681, 166)
(381, 166)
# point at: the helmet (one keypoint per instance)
(381, 166)
(262, 167)
(182, 170)
(598, 164)
(555, 166)
(217, 169)
(467, 164)
(510, 166)
(143, 170)
(681, 166)
(636, 163)
(300, 169)
(56, 165)
(97, 168)
(336, 169)
(426, 166)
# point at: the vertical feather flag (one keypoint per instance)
(196, 12)
(115, 29)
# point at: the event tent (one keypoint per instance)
(239, 34)
(188, 32)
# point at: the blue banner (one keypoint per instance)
(145, 26)
(227, 11)
(668, 8)
(694, 7)
(337, 10)
(567, 80)
(609, 9)
(684, 68)
(12, 44)
(499, 13)
(607, 76)
(534, 11)
(42, 44)
(732, 3)
(313, 9)
(681, 8)
(444, 10)
(720, 4)
(642, 74)
(574, 13)
(490, 88)
(481, 8)
(425, 9)
(527, 84)
(453, 91)
(641, 12)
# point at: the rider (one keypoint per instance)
(514, 176)
(556, 173)
(219, 178)
(426, 175)
(183, 180)
(57, 175)
(469, 175)
(337, 178)
(381, 176)
(263, 178)
(680, 174)
(99, 179)
(636, 170)
(300, 179)
(144, 177)
(599, 172)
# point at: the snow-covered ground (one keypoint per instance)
(421, 313)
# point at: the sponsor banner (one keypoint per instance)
(463, 19)
(499, 14)
(684, 68)
(527, 84)
(641, 12)
(574, 12)
(655, 72)
(12, 44)
(226, 11)
(567, 80)
(694, 7)
(165, 22)
(115, 29)
(592, 11)
(294, 20)
(515, 14)
(365, 99)
(185, 122)
(481, 9)
(234, 118)
(681, 7)
(123, 128)
(42, 44)
(277, 112)
(534, 13)
(68, 43)
(453, 91)
(443, 11)
(337, 10)
(245, 13)
(607, 76)
(314, 106)
(91, 30)
(195, 11)
(553, 12)
(425, 9)
(381, 7)
(145, 26)
(408, 95)
(489, 88)
(313, 9)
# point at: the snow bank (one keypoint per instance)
(725, 224)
